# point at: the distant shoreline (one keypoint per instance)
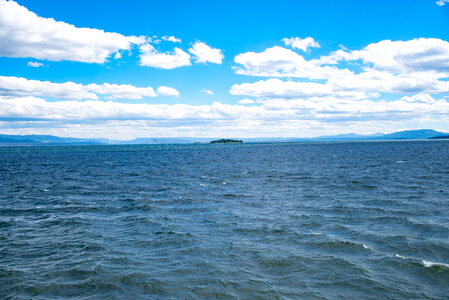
(49, 140)
(13, 145)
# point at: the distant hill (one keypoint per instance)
(413, 134)
(42, 140)
(5, 140)
(401, 135)
(46, 140)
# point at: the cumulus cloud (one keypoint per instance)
(204, 53)
(171, 39)
(120, 91)
(400, 67)
(282, 62)
(34, 64)
(150, 57)
(276, 88)
(17, 86)
(205, 91)
(402, 83)
(25, 34)
(365, 85)
(417, 55)
(302, 44)
(419, 98)
(442, 2)
(22, 87)
(167, 91)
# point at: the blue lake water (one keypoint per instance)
(366, 220)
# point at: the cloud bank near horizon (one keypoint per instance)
(299, 117)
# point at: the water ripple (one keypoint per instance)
(269, 221)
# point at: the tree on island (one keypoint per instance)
(226, 141)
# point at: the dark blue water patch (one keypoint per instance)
(313, 221)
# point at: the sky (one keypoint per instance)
(128, 69)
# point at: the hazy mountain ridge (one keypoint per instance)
(40, 140)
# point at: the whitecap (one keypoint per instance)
(366, 247)
(202, 184)
(400, 161)
(400, 256)
(429, 264)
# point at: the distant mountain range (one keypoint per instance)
(40, 140)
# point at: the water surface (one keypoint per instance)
(271, 221)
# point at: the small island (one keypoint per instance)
(226, 141)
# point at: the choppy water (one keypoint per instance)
(271, 221)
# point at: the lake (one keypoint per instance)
(353, 220)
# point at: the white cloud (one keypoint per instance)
(34, 64)
(17, 86)
(328, 93)
(171, 39)
(272, 117)
(205, 91)
(399, 67)
(365, 85)
(204, 53)
(268, 62)
(282, 62)
(407, 83)
(25, 34)
(150, 57)
(419, 98)
(276, 88)
(246, 101)
(302, 44)
(120, 91)
(167, 91)
(442, 2)
(417, 55)
(22, 87)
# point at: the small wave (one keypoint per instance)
(5, 224)
(429, 264)
(400, 162)
(425, 263)
(315, 233)
(400, 256)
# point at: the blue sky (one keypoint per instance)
(261, 68)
